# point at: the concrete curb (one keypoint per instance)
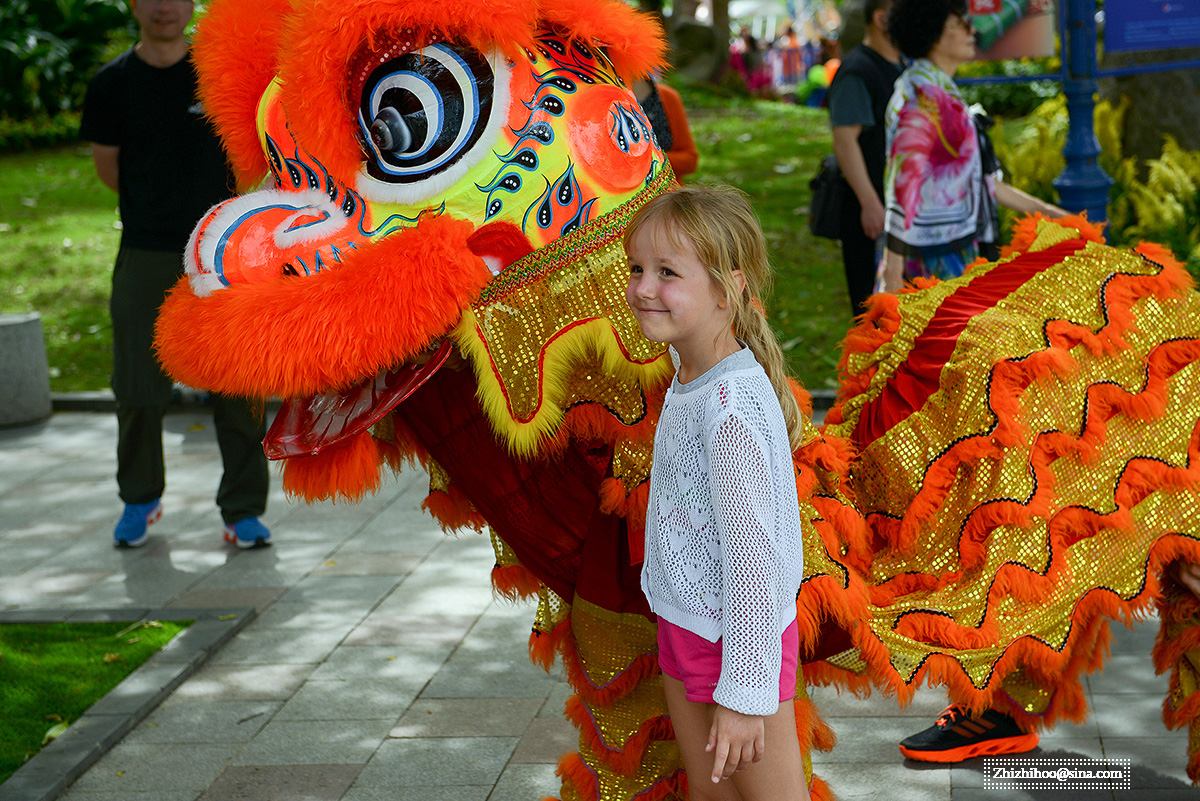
(51, 770)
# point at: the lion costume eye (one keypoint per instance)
(430, 113)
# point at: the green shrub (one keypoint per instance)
(40, 131)
(1010, 99)
(49, 49)
(1164, 207)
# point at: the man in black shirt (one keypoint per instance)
(152, 145)
(858, 99)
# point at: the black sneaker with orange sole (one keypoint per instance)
(958, 736)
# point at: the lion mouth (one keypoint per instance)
(306, 426)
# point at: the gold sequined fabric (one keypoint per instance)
(551, 610)
(609, 646)
(505, 556)
(994, 537)
(554, 329)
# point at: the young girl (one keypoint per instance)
(723, 551)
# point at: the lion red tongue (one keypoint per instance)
(307, 426)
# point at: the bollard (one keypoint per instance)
(24, 376)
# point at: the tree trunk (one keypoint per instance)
(720, 18)
(1162, 102)
(720, 24)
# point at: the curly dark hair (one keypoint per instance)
(915, 26)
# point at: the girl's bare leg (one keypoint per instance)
(779, 776)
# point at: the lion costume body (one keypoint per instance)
(433, 271)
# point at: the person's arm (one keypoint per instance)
(1012, 198)
(105, 159)
(893, 270)
(748, 688)
(683, 155)
(854, 168)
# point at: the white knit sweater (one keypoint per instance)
(724, 557)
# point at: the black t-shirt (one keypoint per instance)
(863, 68)
(171, 168)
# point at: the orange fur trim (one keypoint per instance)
(1025, 230)
(633, 40)
(872, 329)
(544, 646)
(823, 674)
(818, 790)
(641, 668)
(1010, 380)
(574, 772)
(514, 582)
(1055, 670)
(346, 472)
(592, 422)
(235, 48)
(453, 510)
(612, 497)
(334, 330)
(810, 728)
(626, 759)
(823, 598)
(585, 786)
(1161, 255)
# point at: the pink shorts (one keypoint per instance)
(696, 662)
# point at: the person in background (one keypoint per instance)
(791, 58)
(858, 98)
(664, 109)
(748, 58)
(941, 203)
(152, 145)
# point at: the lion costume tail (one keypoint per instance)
(1029, 464)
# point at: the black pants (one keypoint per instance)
(140, 282)
(858, 255)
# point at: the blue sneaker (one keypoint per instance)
(248, 533)
(131, 528)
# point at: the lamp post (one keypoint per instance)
(1083, 185)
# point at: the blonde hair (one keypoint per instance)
(720, 225)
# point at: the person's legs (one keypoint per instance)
(691, 722)
(780, 773)
(859, 259)
(778, 776)
(141, 476)
(240, 427)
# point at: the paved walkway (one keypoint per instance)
(380, 667)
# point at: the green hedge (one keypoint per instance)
(40, 131)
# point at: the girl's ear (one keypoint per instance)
(740, 280)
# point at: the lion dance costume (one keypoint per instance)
(432, 271)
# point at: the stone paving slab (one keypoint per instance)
(52, 769)
(373, 623)
(294, 782)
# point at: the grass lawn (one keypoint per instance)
(52, 672)
(58, 238)
(59, 234)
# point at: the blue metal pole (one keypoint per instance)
(1083, 184)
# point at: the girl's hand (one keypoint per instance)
(737, 739)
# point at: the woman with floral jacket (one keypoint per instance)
(940, 199)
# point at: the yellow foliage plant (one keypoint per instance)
(1164, 207)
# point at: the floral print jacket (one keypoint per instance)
(934, 178)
